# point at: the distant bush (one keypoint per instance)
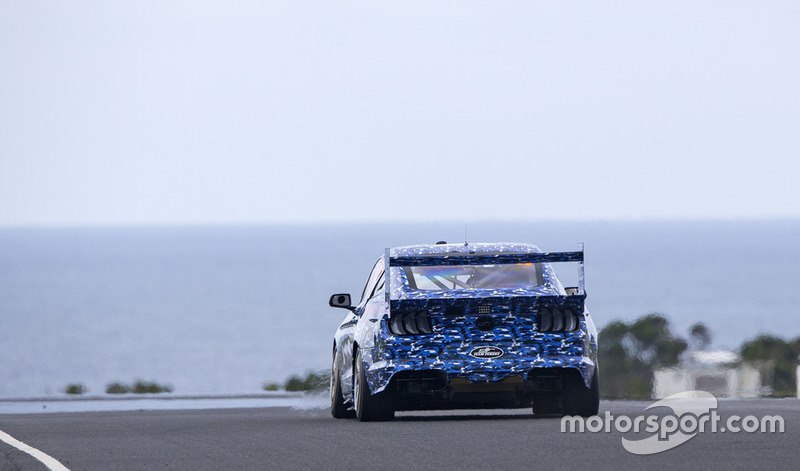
(271, 386)
(117, 388)
(75, 388)
(145, 387)
(139, 387)
(313, 381)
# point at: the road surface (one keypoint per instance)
(288, 438)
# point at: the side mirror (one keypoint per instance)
(341, 300)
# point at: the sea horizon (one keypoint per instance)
(228, 308)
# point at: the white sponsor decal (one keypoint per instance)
(486, 352)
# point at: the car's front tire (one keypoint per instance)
(370, 407)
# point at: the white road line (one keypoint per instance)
(46, 459)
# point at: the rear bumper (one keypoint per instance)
(475, 375)
(448, 352)
(412, 388)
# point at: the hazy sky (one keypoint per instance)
(254, 111)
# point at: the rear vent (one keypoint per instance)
(410, 323)
(556, 319)
(454, 311)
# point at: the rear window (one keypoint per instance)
(461, 277)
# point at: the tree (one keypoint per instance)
(629, 353)
(699, 336)
(782, 354)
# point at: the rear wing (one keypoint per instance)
(466, 258)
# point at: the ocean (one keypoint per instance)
(225, 309)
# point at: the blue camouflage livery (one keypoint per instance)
(403, 347)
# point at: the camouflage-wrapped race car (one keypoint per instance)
(450, 326)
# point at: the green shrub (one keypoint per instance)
(139, 387)
(75, 388)
(271, 386)
(150, 387)
(117, 388)
(294, 383)
(314, 381)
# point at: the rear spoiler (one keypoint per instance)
(462, 258)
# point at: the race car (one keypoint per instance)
(457, 326)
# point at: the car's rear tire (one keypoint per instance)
(339, 409)
(578, 399)
(370, 407)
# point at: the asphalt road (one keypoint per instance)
(285, 438)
